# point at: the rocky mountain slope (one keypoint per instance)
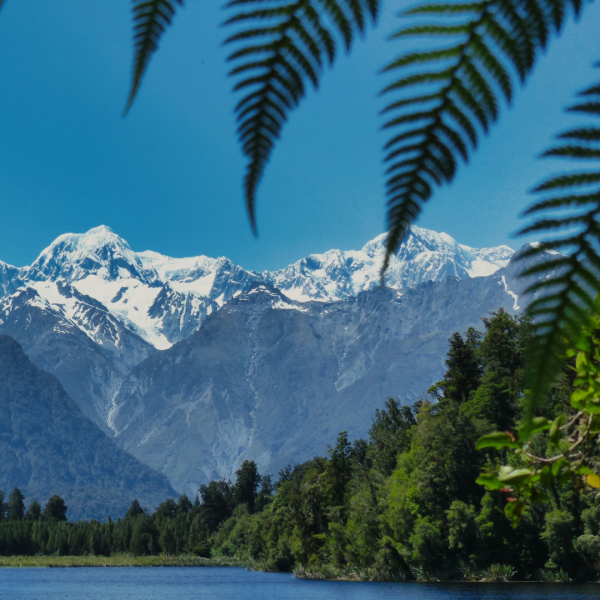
(274, 380)
(195, 364)
(90, 308)
(48, 447)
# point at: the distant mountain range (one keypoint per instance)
(194, 364)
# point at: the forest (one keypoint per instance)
(403, 504)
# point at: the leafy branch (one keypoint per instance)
(494, 42)
(567, 265)
(284, 46)
(150, 19)
(572, 440)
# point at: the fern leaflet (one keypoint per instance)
(150, 19)
(570, 278)
(286, 46)
(492, 43)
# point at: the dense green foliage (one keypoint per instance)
(402, 504)
(571, 444)
(175, 528)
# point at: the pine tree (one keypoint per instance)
(34, 512)
(55, 509)
(216, 503)
(134, 510)
(390, 434)
(16, 505)
(463, 368)
(246, 485)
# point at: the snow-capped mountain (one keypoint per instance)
(164, 300)
(90, 308)
(424, 256)
(273, 380)
(195, 364)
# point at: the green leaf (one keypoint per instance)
(546, 476)
(514, 476)
(533, 426)
(514, 511)
(556, 467)
(497, 440)
(276, 62)
(490, 481)
(554, 434)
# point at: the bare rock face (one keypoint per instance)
(76, 339)
(274, 380)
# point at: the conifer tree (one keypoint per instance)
(55, 509)
(246, 485)
(16, 505)
(34, 512)
(134, 510)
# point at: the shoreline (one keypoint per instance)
(130, 561)
(115, 561)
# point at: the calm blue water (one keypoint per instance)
(239, 584)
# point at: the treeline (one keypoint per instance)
(175, 527)
(402, 504)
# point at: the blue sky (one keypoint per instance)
(168, 177)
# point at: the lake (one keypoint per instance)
(208, 583)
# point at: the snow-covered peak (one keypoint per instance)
(424, 255)
(10, 278)
(99, 251)
(217, 279)
(195, 274)
(164, 299)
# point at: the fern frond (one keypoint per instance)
(456, 99)
(287, 46)
(150, 19)
(565, 294)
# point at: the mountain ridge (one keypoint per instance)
(163, 299)
(271, 379)
(195, 364)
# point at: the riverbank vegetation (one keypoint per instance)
(402, 504)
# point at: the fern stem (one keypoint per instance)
(256, 167)
(554, 334)
(430, 131)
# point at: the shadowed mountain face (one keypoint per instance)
(48, 447)
(76, 339)
(274, 380)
